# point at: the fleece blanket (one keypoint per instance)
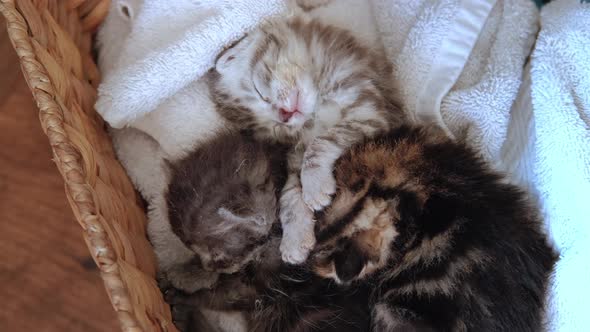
(152, 54)
(549, 151)
(459, 64)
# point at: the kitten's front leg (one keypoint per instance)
(317, 172)
(317, 178)
(296, 218)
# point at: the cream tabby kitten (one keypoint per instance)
(315, 87)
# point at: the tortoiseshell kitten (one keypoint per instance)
(445, 243)
(315, 87)
(222, 201)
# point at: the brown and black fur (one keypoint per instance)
(444, 243)
(421, 236)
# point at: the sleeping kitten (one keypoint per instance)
(445, 243)
(421, 236)
(222, 202)
(315, 87)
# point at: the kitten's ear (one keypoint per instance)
(439, 213)
(233, 53)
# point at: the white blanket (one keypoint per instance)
(457, 63)
(553, 126)
(154, 52)
(169, 45)
(460, 63)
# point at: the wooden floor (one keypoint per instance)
(48, 281)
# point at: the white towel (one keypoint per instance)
(153, 54)
(171, 44)
(457, 63)
(167, 99)
(141, 156)
(556, 116)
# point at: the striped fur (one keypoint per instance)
(446, 244)
(343, 94)
(421, 236)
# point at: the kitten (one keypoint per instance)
(444, 242)
(222, 202)
(274, 296)
(421, 236)
(312, 86)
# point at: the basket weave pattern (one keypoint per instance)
(53, 40)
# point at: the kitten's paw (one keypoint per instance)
(295, 250)
(298, 236)
(318, 185)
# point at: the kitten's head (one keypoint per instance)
(268, 73)
(375, 211)
(354, 237)
(222, 201)
(229, 233)
(280, 74)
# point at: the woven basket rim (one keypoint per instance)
(76, 186)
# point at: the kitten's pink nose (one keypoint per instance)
(291, 106)
(286, 114)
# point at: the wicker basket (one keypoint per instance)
(53, 39)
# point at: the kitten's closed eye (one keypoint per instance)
(265, 99)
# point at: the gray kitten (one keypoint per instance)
(222, 201)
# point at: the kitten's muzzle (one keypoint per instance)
(286, 115)
(290, 107)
